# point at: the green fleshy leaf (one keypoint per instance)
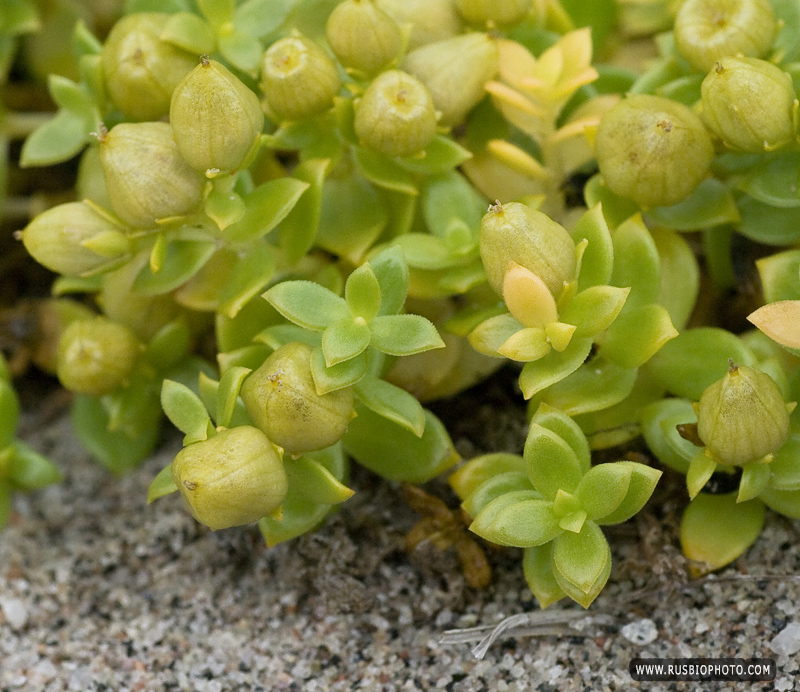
(780, 276)
(615, 208)
(218, 12)
(537, 565)
(265, 207)
(170, 343)
(181, 261)
(641, 485)
(55, 141)
(163, 484)
(224, 207)
(9, 413)
(301, 514)
(517, 522)
(29, 470)
(423, 251)
(490, 335)
(701, 468)
(582, 563)
(636, 335)
(317, 483)
(694, 360)
(658, 429)
(598, 258)
(362, 292)
(785, 466)
(393, 403)
(717, 250)
(408, 458)
(228, 391)
(115, 449)
(540, 374)
(715, 529)
(262, 17)
(494, 487)
(167, 6)
(308, 304)
(391, 271)
(249, 276)
(755, 478)
(595, 385)
(710, 204)
(527, 345)
(786, 502)
(567, 429)
(241, 50)
(344, 374)
(481, 469)
(404, 335)
(551, 462)
(298, 230)
(276, 336)
(767, 224)
(343, 340)
(636, 263)
(352, 218)
(680, 275)
(185, 410)
(402, 212)
(440, 156)
(19, 17)
(787, 42)
(774, 181)
(189, 32)
(384, 172)
(594, 309)
(448, 197)
(685, 90)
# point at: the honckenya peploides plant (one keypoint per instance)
(297, 223)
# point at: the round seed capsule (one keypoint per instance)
(141, 70)
(231, 479)
(215, 118)
(748, 103)
(96, 356)
(497, 12)
(514, 232)
(298, 78)
(146, 177)
(707, 30)
(363, 36)
(653, 150)
(282, 400)
(430, 20)
(396, 115)
(742, 417)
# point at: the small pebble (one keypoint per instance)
(15, 612)
(787, 641)
(640, 632)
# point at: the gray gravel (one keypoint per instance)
(99, 591)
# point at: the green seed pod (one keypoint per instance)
(231, 479)
(141, 70)
(363, 36)
(396, 115)
(146, 176)
(215, 118)
(653, 150)
(430, 20)
(497, 12)
(455, 72)
(514, 232)
(282, 400)
(749, 104)
(298, 78)
(708, 30)
(742, 417)
(96, 356)
(54, 238)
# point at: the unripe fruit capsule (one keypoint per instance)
(282, 400)
(742, 417)
(396, 115)
(653, 150)
(514, 232)
(96, 356)
(231, 479)
(497, 12)
(749, 104)
(363, 36)
(430, 20)
(298, 78)
(215, 118)
(146, 176)
(141, 70)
